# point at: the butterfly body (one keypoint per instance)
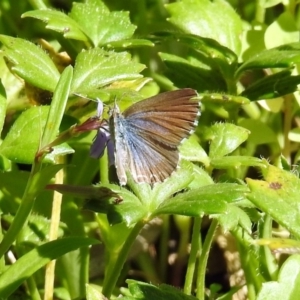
(147, 134)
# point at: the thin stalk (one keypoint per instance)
(203, 260)
(148, 267)
(268, 267)
(163, 249)
(195, 251)
(53, 234)
(249, 262)
(33, 290)
(260, 11)
(104, 170)
(286, 151)
(117, 261)
(184, 226)
(22, 212)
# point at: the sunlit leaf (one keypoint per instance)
(224, 24)
(96, 68)
(30, 62)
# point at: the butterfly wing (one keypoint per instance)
(148, 133)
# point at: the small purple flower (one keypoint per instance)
(103, 139)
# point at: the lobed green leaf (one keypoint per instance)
(218, 21)
(96, 68)
(60, 22)
(225, 138)
(30, 62)
(23, 140)
(288, 285)
(272, 86)
(285, 56)
(101, 25)
(278, 195)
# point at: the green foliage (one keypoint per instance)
(30, 63)
(92, 51)
(283, 289)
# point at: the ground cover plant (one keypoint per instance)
(224, 225)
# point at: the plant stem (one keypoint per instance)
(260, 12)
(268, 267)
(203, 260)
(33, 290)
(22, 212)
(117, 260)
(163, 249)
(249, 262)
(183, 224)
(104, 171)
(195, 251)
(53, 234)
(286, 151)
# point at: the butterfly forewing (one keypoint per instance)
(148, 133)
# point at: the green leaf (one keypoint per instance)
(236, 162)
(32, 261)
(285, 56)
(57, 107)
(288, 285)
(96, 68)
(223, 99)
(59, 150)
(272, 86)
(201, 178)
(193, 73)
(210, 199)
(119, 204)
(37, 126)
(60, 22)
(113, 237)
(22, 141)
(30, 62)
(12, 186)
(285, 28)
(5, 164)
(278, 195)
(270, 3)
(178, 181)
(205, 53)
(253, 41)
(101, 25)
(191, 150)
(294, 135)
(128, 211)
(260, 134)
(150, 198)
(225, 138)
(234, 217)
(93, 292)
(225, 25)
(36, 231)
(129, 44)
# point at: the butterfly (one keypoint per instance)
(146, 136)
